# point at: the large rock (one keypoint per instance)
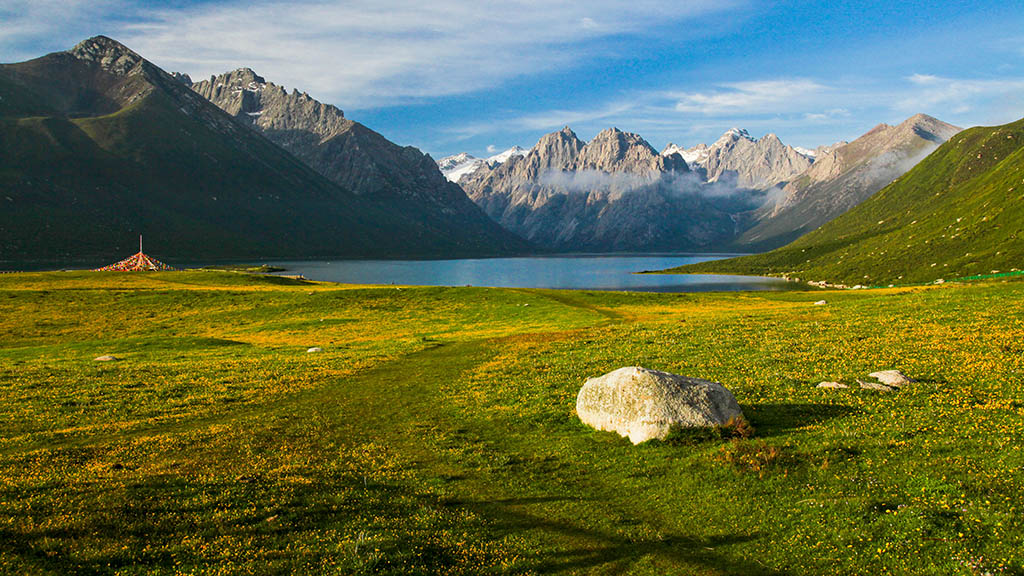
(643, 404)
(893, 378)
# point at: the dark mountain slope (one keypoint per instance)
(99, 145)
(407, 181)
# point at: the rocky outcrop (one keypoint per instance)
(754, 163)
(614, 193)
(644, 404)
(843, 177)
(745, 161)
(893, 378)
(402, 179)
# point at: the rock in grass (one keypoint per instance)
(314, 350)
(820, 303)
(106, 358)
(831, 385)
(893, 378)
(875, 386)
(642, 404)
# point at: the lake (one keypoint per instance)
(582, 272)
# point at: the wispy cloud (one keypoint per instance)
(755, 97)
(28, 26)
(368, 53)
(959, 95)
(546, 119)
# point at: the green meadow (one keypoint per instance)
(435, 432)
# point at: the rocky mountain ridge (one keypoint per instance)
(355, 157)
(613, 193)
(98, 144)
(750, 162)
(844, 176)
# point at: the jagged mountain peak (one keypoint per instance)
(100, 47)
(734, 134)
(109, 54)
(243, 77)
(846, 174)
(504, 155)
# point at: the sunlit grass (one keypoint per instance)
(435, 432)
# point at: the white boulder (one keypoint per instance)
(893, 378)
(314, 350)
(831, 385)
(642, 404)
(875, 386)
(106, 358)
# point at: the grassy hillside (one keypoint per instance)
(959, 212)
(446, 442)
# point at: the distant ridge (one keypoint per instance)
(614, 193)
(844, 176)
(958, 213)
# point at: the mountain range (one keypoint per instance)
(959, 212)
(459, 165)
(843, 177)
(100, 145)
(614, 193)
(739, 193)
(746, 161)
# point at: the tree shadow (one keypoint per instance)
(153, 516)
(592, 548)
(775, 419)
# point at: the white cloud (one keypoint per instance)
(368, 53)
(491, 149)
(30, 27)
(754, 97)
(960, 95)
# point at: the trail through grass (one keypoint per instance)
(435, 434)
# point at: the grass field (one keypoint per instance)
(436, 434)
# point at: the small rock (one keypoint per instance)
(831, 385)
(893, 378)
(643, 404)
(106, 358)
(875, 386)
(314, 349)
(820, 303)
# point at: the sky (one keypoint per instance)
(450, 76)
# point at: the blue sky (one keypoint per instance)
(454, 75)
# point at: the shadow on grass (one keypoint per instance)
(142, 525)
(575, 548)
(775, 419)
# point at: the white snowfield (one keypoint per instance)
(459, 165)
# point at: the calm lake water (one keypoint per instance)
(588, 272)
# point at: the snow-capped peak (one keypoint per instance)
(459, 165)
(501, 157)
(733, 135)
(449, 162)
(672, 149)
(805, 152)
(694, 157)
